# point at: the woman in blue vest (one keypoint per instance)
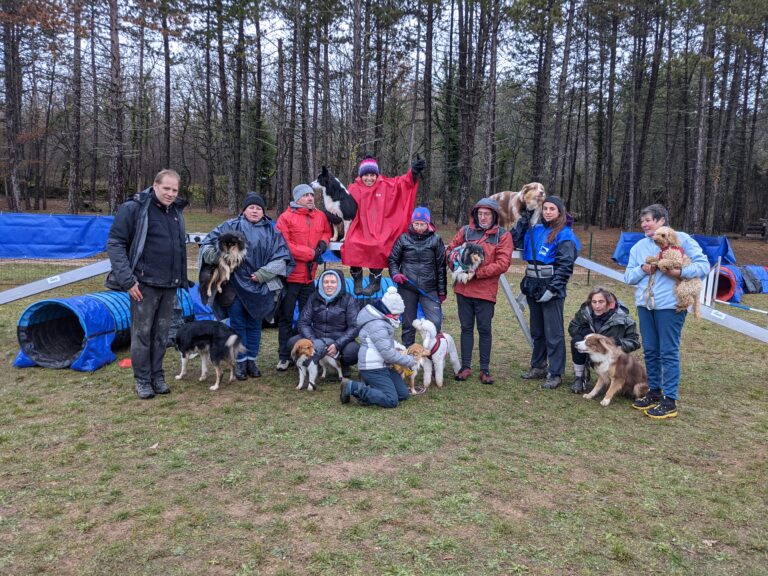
(550, 248)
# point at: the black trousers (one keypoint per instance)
(150, 323)
(548, 335)
(473, 310)
(293, 293)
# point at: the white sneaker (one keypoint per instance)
(283, 365)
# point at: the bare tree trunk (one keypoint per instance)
(13, 85)
(542, 95)
(750, 152)
(256, 158)
(210, 182)
(75, 164)
(415, 83)
(741, 169)
(357, 63)
(138, 133)
(292, 112)
(428, 48)
(167, 85)
(587, 188)
(610, 115)
(237, 133)
(95, 109)
(693, 217)
(304, 35)
(280, 136)
(490, 132)
(116, 195)
(226, 125)
(561, 84)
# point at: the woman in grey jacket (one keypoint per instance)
(381, 385)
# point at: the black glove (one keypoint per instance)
(616, 341)
(418, 167)
(320, 250)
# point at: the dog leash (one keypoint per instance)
(428, 296)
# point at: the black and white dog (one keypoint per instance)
(216, 343)
(467, 259)
(340, 207)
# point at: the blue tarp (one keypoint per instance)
(712, 246)
(52, 235)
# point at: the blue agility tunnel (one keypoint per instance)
(81, 332)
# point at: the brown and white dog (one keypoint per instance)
(672, 256)
(467, 258)
(439, 347)
(622, 373)
(423, 363)
(231, 251)
(511, 204)
(302, 354)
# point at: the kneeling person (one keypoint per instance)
(329, 319)
(381, 385)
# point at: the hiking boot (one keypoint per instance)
(357, 276)
(345, 390)
(160, 387)
(241, 371)
(579, 384)
(374, 284)
(283, 365)
(144, 389)
(485, 377)
(251, 369)
(650, 400)
(534, 373)
(463, 374)
(551, 382)
(667, 408)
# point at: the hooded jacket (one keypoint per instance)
(127, 242)
(383, 214)
(497, 246)
(618, 325)
(377, 344)
(266, 248)
(303, 229)
(420, 257)
(334, 317)
(561, 254)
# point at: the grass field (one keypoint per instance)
(258, 478)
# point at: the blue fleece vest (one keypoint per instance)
(536, 247)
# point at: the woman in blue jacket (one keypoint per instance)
(660, 325)
(550, 248)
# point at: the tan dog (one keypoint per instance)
(423, 362)
(302, 354)
(622, 373)
(673, 257)
(512, 204)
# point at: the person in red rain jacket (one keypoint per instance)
(476, 299)
(384, 207)
(307, 233)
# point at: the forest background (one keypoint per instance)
(611, 104)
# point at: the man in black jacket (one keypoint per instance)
(147, 250)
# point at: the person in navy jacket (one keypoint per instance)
(550, 248)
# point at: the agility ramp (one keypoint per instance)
(81, 332)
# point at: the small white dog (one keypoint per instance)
(440, 346)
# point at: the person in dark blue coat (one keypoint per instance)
(550, 248)
(329, 319)
(417, 265)
(258, 281)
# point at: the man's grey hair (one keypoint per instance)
(657, 212)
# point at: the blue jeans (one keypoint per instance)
(381, 387)
(247, 328)
(660, 330)
(429, 305)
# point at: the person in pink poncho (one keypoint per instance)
(384, 207)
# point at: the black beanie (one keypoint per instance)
(557, 202)
(253, 198)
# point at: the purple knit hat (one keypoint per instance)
(368, 166)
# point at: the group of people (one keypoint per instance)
(147, 250)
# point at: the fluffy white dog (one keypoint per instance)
(439, 345)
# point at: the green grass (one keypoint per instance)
(258, 478)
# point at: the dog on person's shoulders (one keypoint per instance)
(215, 278)
(619, 372)
(215, 342)
(303, 355)
(340, 207)
(466, 258)
(513, 204)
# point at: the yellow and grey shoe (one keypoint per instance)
(650, 400)
(667, 408)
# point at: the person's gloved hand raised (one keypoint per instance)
(418, 167)
(320, 250)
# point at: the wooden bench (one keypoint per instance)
(757, 229)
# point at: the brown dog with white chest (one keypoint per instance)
(620, 372)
